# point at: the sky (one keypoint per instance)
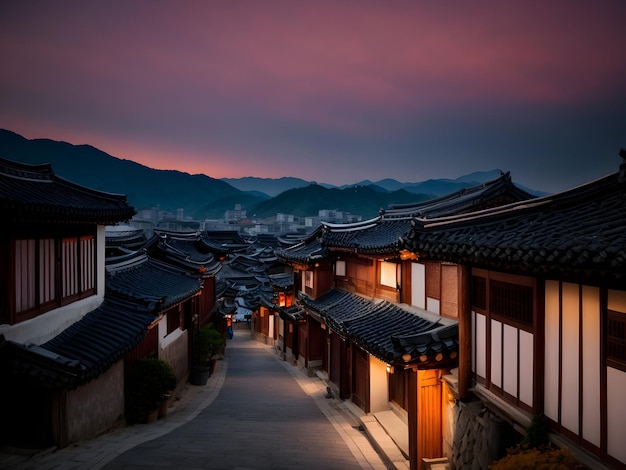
(333, 91)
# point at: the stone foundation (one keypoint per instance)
(480, 437)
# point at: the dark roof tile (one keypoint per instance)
(388, 331)
(34, 194)
(579, 231)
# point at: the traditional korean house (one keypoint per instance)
(252, 284)
(224, 242)
(171, 293)
(60, 345)
(542, 317)
(192, 252)
(344, 271)
(122, 239)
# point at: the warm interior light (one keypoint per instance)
(406, 254)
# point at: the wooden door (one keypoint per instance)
(429, 414)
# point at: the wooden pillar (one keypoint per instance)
(465, 330)
(413, 419)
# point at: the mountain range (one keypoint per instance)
(204, 197)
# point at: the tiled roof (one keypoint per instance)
(579, 231)
(186, 251)
(33, 193)
(151, 282)
(390, 332)
(126, 237)
(282, 281)
(308, 251)
(496, 192)
(380, 236)
(224, 241)
(293, 313)
(385, 234)
(86, 349)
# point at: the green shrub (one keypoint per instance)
(208, 343)
(537, 433)
(150, 379)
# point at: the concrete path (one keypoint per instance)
(256, 412)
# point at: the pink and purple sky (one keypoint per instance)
(335, 91)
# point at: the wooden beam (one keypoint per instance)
(465, 330)
(413, 418)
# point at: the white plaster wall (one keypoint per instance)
(481, 346)
(570, 399)
(616, 413)
(100, 259)
(496, 353)
(526, 367)
(591, 365)
(175, 352)
(418, 285)
(40, 329)
(433, 305)
(473, 342)
(551, 360)
(270, 332)
(509, 357)
(379, 389)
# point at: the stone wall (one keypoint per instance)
(480, 437)
(96, 406)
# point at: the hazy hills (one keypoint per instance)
(361, 200)
(200, 195)
(204, 197)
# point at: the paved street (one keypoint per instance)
(257, 412)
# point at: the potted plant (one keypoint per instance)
(149, 382)
(207, 343)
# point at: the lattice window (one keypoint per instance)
(25, 268)
(433, 280)
(513, 302)
(616, 340)
(78, 260)
(49, 272)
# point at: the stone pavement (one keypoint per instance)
(252, 414)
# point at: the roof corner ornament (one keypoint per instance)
(621, 177)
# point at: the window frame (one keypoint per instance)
(615, 339)
(51, 267)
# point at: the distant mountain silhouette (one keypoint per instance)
(359, 200)
(269, 186)
(203, 197)
(199, 195)
(437, 187)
